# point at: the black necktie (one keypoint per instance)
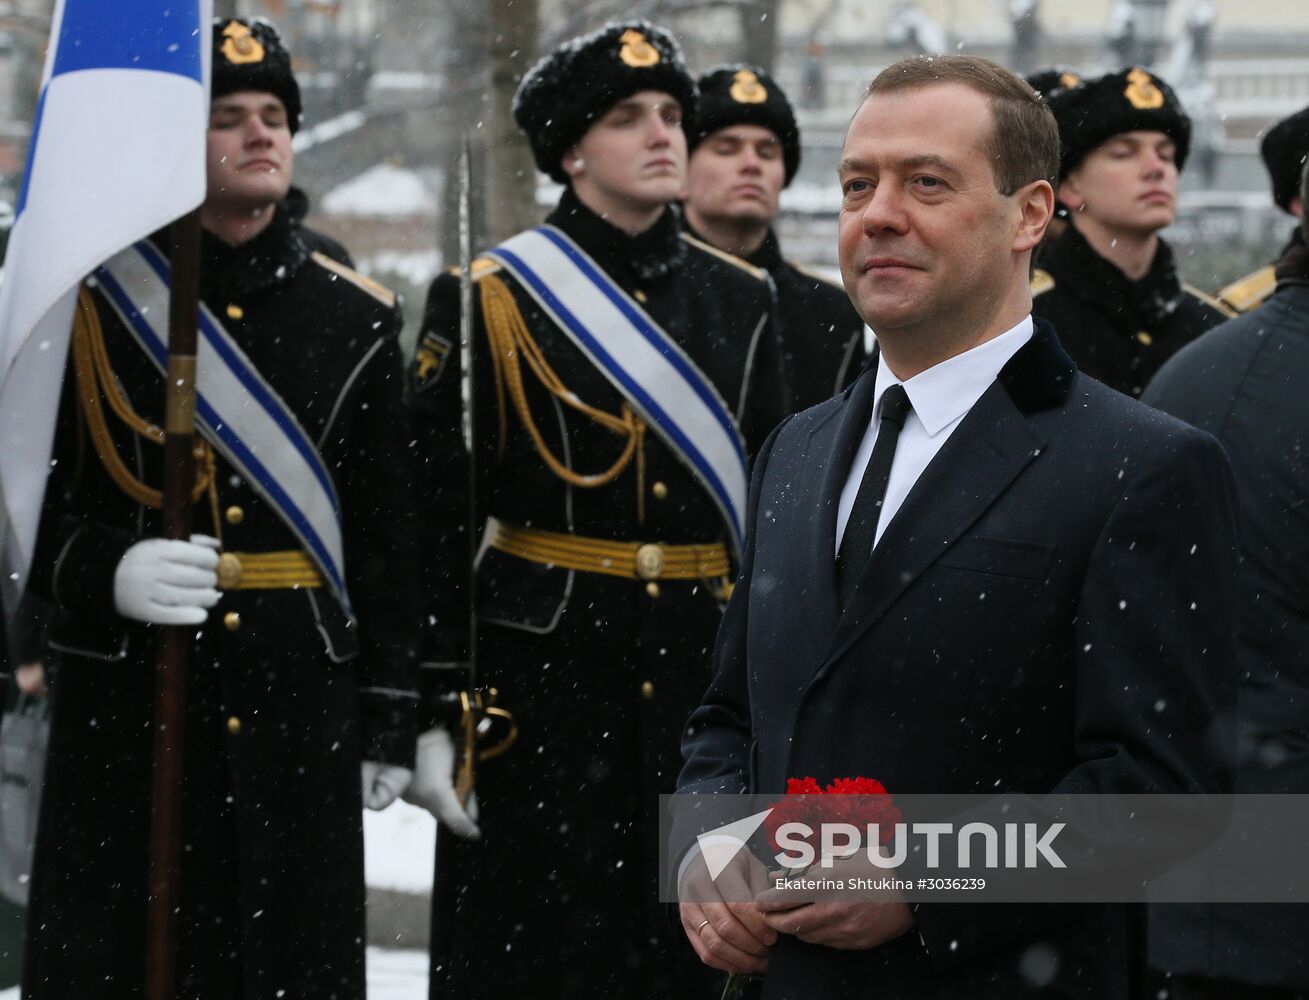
(861, 529)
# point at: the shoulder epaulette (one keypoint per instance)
(1210, 301)
(809, 272)
(482, 266)
(756, 272)
(1248, 292)
(378, 291)
(1042, 282)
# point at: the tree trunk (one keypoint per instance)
(508, 175)
(759, 33)
(467, 105)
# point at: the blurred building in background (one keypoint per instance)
(391, 85)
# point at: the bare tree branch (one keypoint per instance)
(509, 178)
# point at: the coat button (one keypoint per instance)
(1144, 339)
(647, 689)
(660, 490)
(235, 515)
(232, 621)
(652, 589)
(229, 571)
(235, 312)
(639, 295)
(234, 726)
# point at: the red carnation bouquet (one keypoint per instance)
(857, 801)
(809, 803)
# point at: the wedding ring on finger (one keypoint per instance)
(701, 925)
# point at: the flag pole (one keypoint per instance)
(174, 640)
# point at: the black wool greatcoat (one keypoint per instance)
(281, 709)
(822, 335)
(1117, 330)
(1050, 610)
(1247, 383)
(558, 898)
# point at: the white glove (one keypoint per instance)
(433, 786)
(383, 783)
(164, 582)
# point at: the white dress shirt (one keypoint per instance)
(941, 397)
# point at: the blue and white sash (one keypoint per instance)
(666, 387)
(236, 410)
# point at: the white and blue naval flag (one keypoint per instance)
(117, 151)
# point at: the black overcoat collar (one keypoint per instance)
(632, 260)
(1145, 304)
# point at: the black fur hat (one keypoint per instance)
(563, 94)
(745, 95)
(1127, 101)
(1284, 149)
(249, 55)
(1049, 83)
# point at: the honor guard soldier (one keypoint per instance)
(623, 373)
(745, 149)
(1110, 283)
(303, 671)
(1284, 150)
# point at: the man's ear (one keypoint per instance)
(572, 162)
(1036, 208)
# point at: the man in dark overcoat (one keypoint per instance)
(1247, 383)
(976, 571)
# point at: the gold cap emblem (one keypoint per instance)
(636, 51)
(1069, 80)
(240, 45)
(746, 88)
(1141, 91)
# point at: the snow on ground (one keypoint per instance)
(382, 191)
(392, 975)
(325, 132)
(418, 267)
(399, 849)
(808, 198)
(399, 854)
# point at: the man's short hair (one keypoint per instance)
(1024, 143)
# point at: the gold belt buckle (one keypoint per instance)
(650, 561)
(229, 571)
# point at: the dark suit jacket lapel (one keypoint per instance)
(829, 454)
(986, 452)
